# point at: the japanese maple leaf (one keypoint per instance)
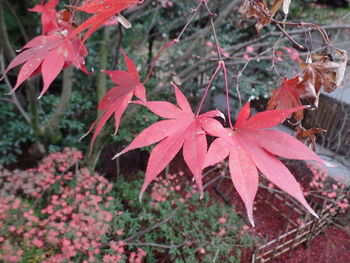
(181, 129)
(286, 97)
(48, 54)
(48, 15)
(251, 147)
(103, 11)
(321, 72)
(117, 98)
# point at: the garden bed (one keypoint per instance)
(284, 229)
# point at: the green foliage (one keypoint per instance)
(74, 123)
(193, 233)
(14, 132)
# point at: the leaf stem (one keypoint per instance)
(214, 31)
(156, 58)
(227, 94)
(207, 89)
(176, 40)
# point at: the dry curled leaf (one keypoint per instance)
(275, 6)
(251, 10)
(285, 7)
(342, 57)
(320, 73)
(308, 136)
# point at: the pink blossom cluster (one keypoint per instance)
(164, 187)
(69, 223)
(329, 188)
(34, 182)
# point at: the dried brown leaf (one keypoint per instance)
(321, 73)
(250, 10)
(308, 136)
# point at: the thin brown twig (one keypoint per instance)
(301, 24)
(210, 14)
(174, 41)
(207, 88)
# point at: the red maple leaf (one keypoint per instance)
(286, 97)
(181, 129)
(117, 98)
(103, 11)
(48, 15)
(48, 54)
(251, 147)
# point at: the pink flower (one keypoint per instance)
(222, 220)
(38, 243)
(249, 49)
(201, 250)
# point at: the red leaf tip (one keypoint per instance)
(117, 155)
(251, 219)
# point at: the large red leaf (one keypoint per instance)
(250, 147)
(117, 98)
(102, 11)
(182, 128)
(48, 54)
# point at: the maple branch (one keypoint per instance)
(227, 94)
(156, 58)
(239, 75)
(290, 38)
(214, 31)
(322, 32)
(196, 10)
(274, 60)
(207, 88)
